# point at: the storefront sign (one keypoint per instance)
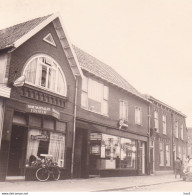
(122, 124)
(45, 110)
(95, 136)
(95, 150)
(40, 137)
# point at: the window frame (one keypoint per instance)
(37, 76)
(101, 98)
(156, 120)
(138, 108)
(176, 129)
(182, 131)
(164, 122)
(124, 104)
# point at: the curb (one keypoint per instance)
(135, 186)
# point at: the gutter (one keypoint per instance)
(74, 128)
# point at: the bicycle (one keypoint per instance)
(45, 173)
(47, 169)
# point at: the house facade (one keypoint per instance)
(168, 136)
(39, 115)
(189, 138)
(111, 124)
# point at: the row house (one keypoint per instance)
(41, 71)
(59, 100)
(111, 124)
(189, 138)
(168, 136)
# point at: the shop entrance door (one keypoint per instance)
(16, 162)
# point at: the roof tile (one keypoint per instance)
(104, 71)
(9, 35)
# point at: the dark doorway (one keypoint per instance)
(151, 160)
(17, 152)
(81, 154)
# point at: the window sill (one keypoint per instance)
(95, 112)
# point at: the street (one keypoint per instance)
(99, 184)
(180, 186)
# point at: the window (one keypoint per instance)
(123, 112)
(112, 152)
(44, 72)
(46, 142)
(94, 96)
(179, 152)
(161, 148)
(156, 121)
(181, 127)
(176, 129)
(138, 116)
(164, 124)
(167, 150)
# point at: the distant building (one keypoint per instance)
(189, 131)
(168, 136)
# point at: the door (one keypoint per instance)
(17, 152)
(141, 158)
(81, 154)
(151, 160)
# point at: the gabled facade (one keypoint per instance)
(111, 125)
(39, 115)
(168, 136)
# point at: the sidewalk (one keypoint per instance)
(86, 185)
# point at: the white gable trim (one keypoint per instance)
(34, 31)
(75, 67)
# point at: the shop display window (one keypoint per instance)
(45, 143)
(112, 152)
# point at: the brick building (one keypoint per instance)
(94, 126)
(39, 113)
(68, 104)
(168, 136)
(112, 123)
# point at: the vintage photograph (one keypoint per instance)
(95, 96)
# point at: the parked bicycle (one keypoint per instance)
(47, 168)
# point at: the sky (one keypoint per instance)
(148, 42)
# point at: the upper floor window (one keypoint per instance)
(44, 72)
(138, 115)
(164, 120)
(181, 127)
(94, 96)
(156, 121)
(176, 129)
(123, 110)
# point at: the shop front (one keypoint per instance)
(36, 132)
(107, 155)
(115, 156)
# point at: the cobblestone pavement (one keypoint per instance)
(86, 185)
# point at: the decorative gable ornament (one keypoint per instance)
(122, 124)
(49, 39)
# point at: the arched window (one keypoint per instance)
(44, 72)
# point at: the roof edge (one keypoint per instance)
(160, 102)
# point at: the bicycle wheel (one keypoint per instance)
(42, 174)
(56, 173)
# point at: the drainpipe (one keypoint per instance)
(149, 121)
(74, 128)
